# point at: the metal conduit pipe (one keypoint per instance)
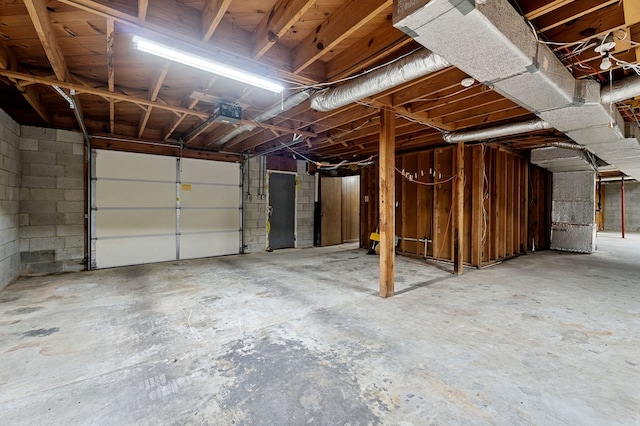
(416, 65)
(290, 102)
(497, 131)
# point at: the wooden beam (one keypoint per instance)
(570, 12)
(143, 5)
(111, 74)
(387, 203)
(536, 8)
(212, 14)
(631, 12)
(338, 26)
(275, 24)
(101, 93)
(154, 89)
(458, 211)
(40, 18)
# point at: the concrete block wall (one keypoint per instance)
(613, 207)
(9, 200)
(255, 207)
(305, 197)
(51, 201)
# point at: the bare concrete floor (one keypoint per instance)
(300, 337)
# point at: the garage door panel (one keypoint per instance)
(114, 193)
(209, 220)
(119, 223)
(209, 244)
(210, 196)
(128, 165)
(135, 251)
(194, 171)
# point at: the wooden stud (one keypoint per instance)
(143, 5)
(458, 210)
(154, 89)
(387, 203)
(111, 74)
(477, 215)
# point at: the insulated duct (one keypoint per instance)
(497, 131)
(621, 90)
(290, 102)
(492, 43)
(416, 65)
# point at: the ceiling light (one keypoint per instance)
(605, 64)
(205, 64)
(467, 82)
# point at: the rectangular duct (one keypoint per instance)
(492, 43)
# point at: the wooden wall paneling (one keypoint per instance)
(524, 204)
(502, 206)
(457, 227)
(350, 208)
(517, 202)
(533, 207)
(476, 205)
(330, 211)
(400, 188)
(467, 205)
(494, 217)
(442, 198)
(510, 186)
(410, 201)
(425, 200)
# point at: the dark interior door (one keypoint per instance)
(283, 207)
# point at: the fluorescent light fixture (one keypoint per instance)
(205, 64)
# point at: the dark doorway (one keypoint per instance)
(283, 208)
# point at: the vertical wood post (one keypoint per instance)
(458, 209)
(622, 204)
(387, 202)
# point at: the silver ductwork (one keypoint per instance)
(492, 43)
(621, 90)
(497, 131)
(290, 102)
(409, 68)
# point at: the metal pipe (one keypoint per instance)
(418, 64)
(290, 102)
(497, 131)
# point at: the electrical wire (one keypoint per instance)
(410, 177)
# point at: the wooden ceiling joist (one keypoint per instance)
(212, 14)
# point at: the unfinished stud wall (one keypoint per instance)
(496, 204)
(613, 206)
(9, 193)
(255, 205)
(52, 235)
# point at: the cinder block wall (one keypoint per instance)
(51, 201)
(613, 207)
(9, 199)
(255, 207)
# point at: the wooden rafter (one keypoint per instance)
(142, 103)
(276, 23)
(154, 89)
(345, 21)
(143, 5)
(111, 74)
(40, 18)
(212, 14)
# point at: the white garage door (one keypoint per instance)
(148, 208)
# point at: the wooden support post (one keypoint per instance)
(387, 202)
(622, 204)
(458, 209)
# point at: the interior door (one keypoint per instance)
(282, 204)
(330, 211)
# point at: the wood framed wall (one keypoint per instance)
(506, 204)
